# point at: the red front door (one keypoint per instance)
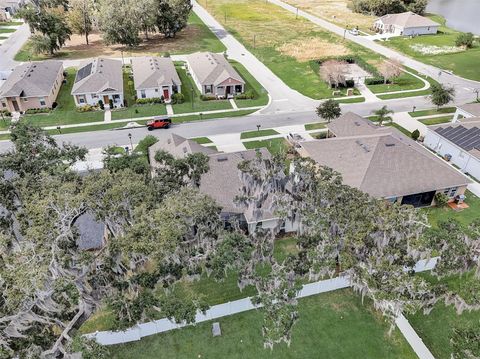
(166, 94)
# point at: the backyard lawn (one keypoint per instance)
(195, 37)
(288, 46)
(436, 328)
(331, 325)
(439, 50)
(466, 216)
(65, 113)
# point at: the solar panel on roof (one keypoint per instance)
(465, 138)
(83, 72)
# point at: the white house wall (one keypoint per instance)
(90, 99)
(156, 92)
(463, 160)
(195, 79)
(422, 30)
(459, 112)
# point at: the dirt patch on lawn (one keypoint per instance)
(312, 48)
(156, 43)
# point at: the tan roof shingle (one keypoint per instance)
(152, 72)
(98, 75)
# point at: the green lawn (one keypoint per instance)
(10, 23)
(274, 145)
(251, 84)
(466, 216)
(315, 126)
(4, 30)
(436, 328)
(432, 112)
(259, 133)
(65, 113)
(463, 63)
(198, 104)
(410, 94)
(404, 82)
(202, 140)
(331, 325)
(436, 120)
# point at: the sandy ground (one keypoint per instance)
(157, 43)
(336, 11)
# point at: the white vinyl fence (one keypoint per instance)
(242, 305)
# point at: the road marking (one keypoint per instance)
(281, 100)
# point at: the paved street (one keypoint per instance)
(10, 47)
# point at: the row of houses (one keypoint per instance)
(36, 84)
(380, 161)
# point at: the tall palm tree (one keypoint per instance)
(383, 115)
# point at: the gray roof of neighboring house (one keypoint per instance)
(91, 232)
(32, 79)
(407, 19)
(384, 165)
(98, 75)
(152, 72)
(351, 124)
(471, 108)
(211, 68)
(464, 134)
(222, 182)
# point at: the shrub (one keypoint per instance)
(54, 105)
(465, 39)
(37, 110)
(207, 97)
(320, 135)
(416, 134)
(178, 98)
(101, 104)
(247, 95)
(375, 81)
(86, 108)
(166, 54)
(146, 101)
(441, 199)
(110, 103)
(6, 113)
(144, 144)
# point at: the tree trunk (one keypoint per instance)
(86, 37)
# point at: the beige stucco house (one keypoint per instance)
(99, 79)
(155, 77)
(32, 85)
(214, 75)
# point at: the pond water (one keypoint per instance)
(462, 15)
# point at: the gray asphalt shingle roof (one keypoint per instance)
(98, 75)
(471, 108)
(212, 69)
(407, 19)
(32, 79)
(152, 72)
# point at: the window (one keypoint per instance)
(4, 104)
(450, 192)
(42, 101)
(156, 90)
(142, 94)
(81, 99)
(238, 88)
(25, 99)
(94, 96)
(208, 89)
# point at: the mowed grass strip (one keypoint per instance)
(432, 112)
(404, 82)
(436, 120)
(315, 126)
(202, 140)
(259, 133)
(335, 324)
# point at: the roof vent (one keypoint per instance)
(169, 141)
(222, 158)
(185, 150)
(390, 144)
(357, 123)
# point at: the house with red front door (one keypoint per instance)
(214, 75)
(100, 79)
(155, 77)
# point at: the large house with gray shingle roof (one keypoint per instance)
(406, 24)
(214, 75)
(459, 141)
(384, 163)
(222, 182)
(155, 77)
(32, 85)
(99, 79)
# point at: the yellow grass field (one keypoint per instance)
(336, 11)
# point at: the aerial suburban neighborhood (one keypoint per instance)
(240, 179)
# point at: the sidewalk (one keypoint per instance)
(406, 121)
